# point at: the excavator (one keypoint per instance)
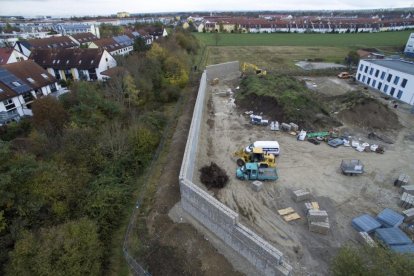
(248, 67)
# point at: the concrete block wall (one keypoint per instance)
(214, 215)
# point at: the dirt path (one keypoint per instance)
(179, 249)
(303, 165)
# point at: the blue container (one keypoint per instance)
(365, 223)
(409, 248)
(392, 236)
(390, 218)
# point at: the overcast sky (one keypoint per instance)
(105, 7)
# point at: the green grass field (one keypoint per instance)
(387, 40)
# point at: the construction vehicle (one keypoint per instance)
(248, 67)
(344, 75)
(258, 120)
(255, 155)
(252, 171)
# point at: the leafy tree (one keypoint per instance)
(140, 45)
(131, 91)
(49, 116)
(371, 261)
(216, 37)
(352, 58)
(72, 248)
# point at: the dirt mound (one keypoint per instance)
(213, 176)
(370, 114)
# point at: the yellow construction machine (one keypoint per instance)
(248, 67)
(255, 156)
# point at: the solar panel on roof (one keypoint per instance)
(8, 79)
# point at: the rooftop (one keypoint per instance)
(395, 64)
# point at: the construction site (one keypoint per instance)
(334, 163)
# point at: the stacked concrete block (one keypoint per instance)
(311, 205)
(257, 185)
(294, 127)
(285, 127)
(408, 215)
(402, 180)
(318, 221)
(409, 189)
(365, 239)
(407, 200)
(300, 195)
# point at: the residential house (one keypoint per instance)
(70, 29)
(119, 45)
(20, 84)
(10, 55)
(392, 77)
(83, 39)
(74, 64)
(26, 46)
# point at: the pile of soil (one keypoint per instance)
(370, 114)
(213, 176)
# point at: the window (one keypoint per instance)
(392, 91)
(396, 79)
(31, 80)
(366, 69)
(389, 77)
(399, 94)
(9, 104)
(382, 75)
(373, 83)
(404, 83)
(53, 87)
(27, 97)
(376, 73)
(379, 85)
(361, 67)
(368, 81)
(359, 76)
(16, 83)
(386, 88)
(363, 78)
(46, 77)
(371, 71)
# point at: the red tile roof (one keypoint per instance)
(5, 54)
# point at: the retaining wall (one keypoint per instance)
(214, 215)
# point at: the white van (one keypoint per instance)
(267, 146)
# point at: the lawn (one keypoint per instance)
(395, 40)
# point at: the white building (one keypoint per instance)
(392, 77)
(10, 55)
(409, 47)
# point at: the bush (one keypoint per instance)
(213, 176)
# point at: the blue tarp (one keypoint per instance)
(392, 236)
(390, 218)
(365, 223)
(409, 248)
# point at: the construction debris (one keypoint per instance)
(257, 185)
(300, 195)
(294, 127)
(365, 223)
(317, 215)
(274, 125)
(319, 227)
(365, 239)
(407, 200)
(409, 189)
(285, 127)
(390, 218)
(311, 206)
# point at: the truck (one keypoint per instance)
(252, 171)
(258, 120)
(255, 155)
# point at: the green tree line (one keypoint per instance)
(67, 173)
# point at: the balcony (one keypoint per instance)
(7, 117)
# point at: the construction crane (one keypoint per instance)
(248, 67)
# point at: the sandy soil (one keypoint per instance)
(303, 165)
(318, 65)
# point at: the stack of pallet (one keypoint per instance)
(408, 215)
(318, 221)
(402, 180)
(300, 195)
(407, 200)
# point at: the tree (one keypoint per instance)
(140, 45)
(49, 116)
(352, 58)
(131, 93)
(371, 261)
(72, 248)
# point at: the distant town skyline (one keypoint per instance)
(107, 7)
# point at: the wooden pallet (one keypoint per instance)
(291, 217)
(286, 211)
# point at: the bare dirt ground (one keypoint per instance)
(304, 165)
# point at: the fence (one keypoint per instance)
(214, 215)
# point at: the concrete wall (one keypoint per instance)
(214, 215)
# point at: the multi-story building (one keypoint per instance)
(392, 77)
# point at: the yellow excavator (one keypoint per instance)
(248, 68)
(255, 156)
